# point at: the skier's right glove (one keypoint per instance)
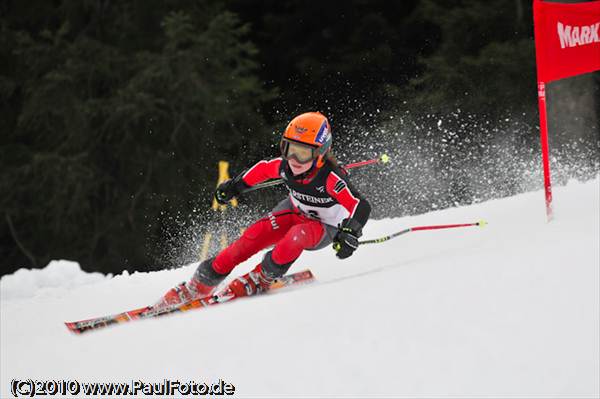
(346, 239)
(229, 189)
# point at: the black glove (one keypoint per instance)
(346, 239)
(229, 189)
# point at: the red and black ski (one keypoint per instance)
(146, 312)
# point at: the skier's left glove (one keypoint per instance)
(229, 189)
(346, 239)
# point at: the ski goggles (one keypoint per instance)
(302, 153)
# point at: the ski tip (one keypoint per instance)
(306, 273)
(482, 223)
(72, 327)
(301, 277)
(384, 158)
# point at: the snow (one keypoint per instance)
(511, 310)
(27, 283)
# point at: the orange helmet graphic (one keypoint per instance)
(307, 138)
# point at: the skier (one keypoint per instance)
(322, 208)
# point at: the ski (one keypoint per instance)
(225, 295)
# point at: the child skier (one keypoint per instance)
(322, 208)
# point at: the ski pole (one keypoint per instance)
(481, 223)
(382, 159)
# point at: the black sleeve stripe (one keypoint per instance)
(339, 186)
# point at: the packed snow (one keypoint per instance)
(510, 310)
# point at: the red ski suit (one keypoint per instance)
(307, 219)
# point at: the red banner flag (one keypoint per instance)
(567, 43)
(567, 39)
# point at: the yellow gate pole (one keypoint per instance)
(223, 176)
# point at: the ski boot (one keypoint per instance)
(259, 279)
(203, 283)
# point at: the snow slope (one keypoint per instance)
(509, 310)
